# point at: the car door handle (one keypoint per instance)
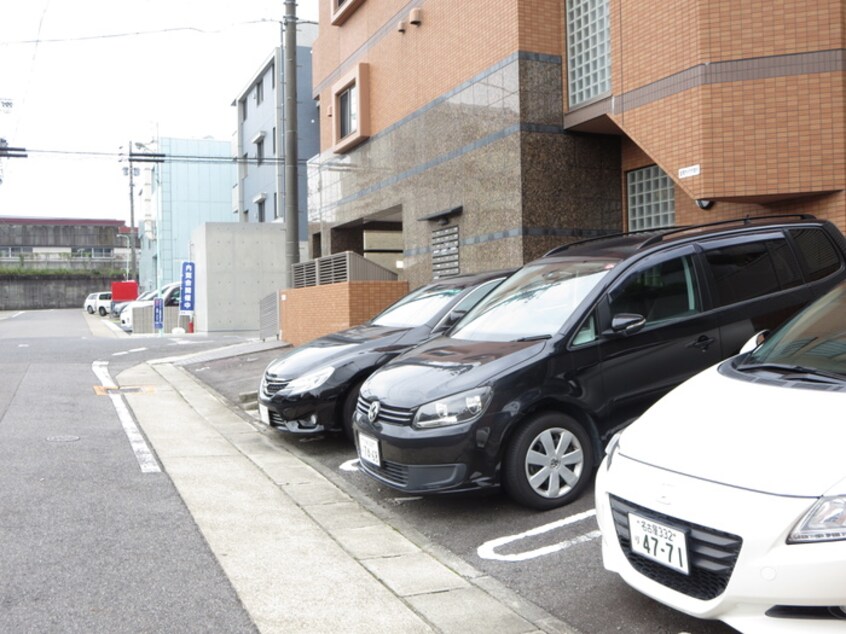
(703, 343)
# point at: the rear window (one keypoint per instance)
(818, 254)
(752, 269)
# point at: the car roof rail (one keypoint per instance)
(605, 236)
(746, 220)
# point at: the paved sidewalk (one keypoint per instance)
(302, 555)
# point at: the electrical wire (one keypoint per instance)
(167, 158)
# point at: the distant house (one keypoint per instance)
(64, 243)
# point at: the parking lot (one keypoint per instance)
(551, 559)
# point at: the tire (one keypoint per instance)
(103, 311)
(90, 310)
(549, 462)
(347, 411)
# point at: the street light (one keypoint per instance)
(137, 157)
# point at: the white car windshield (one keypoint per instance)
(534, 302)
(417, 308)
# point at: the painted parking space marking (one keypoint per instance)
(139, 446)
(488, 550)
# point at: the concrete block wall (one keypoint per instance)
(314, 311)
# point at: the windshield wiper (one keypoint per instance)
(795, 372)
(534, 338)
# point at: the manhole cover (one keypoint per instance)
(62, 438)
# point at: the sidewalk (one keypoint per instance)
(303, 555)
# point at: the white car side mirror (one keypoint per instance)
(757, 339)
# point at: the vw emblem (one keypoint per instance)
(373, 411)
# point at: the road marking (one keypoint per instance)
(120, 354)
(23, 345)
(142, 452)
(488, 549)
(350, 465)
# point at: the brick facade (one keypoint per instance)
(314, 311)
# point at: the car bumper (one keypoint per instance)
(440, 460)
(305, 415)
(767, 573)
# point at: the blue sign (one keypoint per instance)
(158, 313)
(186, 293)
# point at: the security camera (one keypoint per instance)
(704, 204)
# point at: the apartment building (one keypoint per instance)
(259, 143)
(483, 133)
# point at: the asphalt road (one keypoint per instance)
(557, 566)
(91, 543)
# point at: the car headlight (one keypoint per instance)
(454, 410)
(825, 522)
(309, 381)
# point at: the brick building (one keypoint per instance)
(486, 132)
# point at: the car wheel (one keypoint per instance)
(103, 311)
(348, 409)
(90, 310)
(549, 462)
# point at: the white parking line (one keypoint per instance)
(142, 452)
(488, 549)
(120, 354)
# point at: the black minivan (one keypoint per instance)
(527, 388)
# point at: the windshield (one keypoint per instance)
(815, 339)
(416, 308)
(534, 302)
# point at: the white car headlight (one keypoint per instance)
(825, 522)
(453, 410)
(309, 381)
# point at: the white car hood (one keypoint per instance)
(776, 439)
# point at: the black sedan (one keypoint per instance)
(314, 387)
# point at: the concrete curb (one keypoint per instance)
(303, 554)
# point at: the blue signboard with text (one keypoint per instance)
(186, 293)
(158, 313)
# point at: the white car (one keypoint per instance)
(727, 499)
(169, 292)
(98, 303)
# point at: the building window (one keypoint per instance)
(348, 112)
(274, 141)
(351, 109)
(14, 252)
(272, 76)
(243, 107)
(260, 207)
(260, 151)
(588, 50)
(343, 9)
(651, 198)
(275, 206)
(260, 91)
(245, 161)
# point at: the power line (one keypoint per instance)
(167, 158)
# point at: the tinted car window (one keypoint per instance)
(417, 308)
(818, 253)
(664, 291)
(534, 302)
(742, 271)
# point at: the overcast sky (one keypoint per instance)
(85, 77)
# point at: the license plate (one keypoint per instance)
(264, 414)
(659, 542)
(368, 449)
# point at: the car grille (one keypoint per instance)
(712, 554)
(393, 415)
(392, 472)
(272, 386)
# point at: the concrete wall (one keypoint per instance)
(308, 313)
(237, 265)
(48, 291)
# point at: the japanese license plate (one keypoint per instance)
(264, 414)
(659, 542)
(368, 449)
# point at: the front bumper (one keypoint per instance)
(440, 460)
(303, 414)
(767, 572)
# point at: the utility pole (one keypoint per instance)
(136, 157)
(292, 224)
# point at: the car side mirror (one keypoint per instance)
(757, 339)
(449, 321)
(627, 323)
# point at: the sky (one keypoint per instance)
(81, 79)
